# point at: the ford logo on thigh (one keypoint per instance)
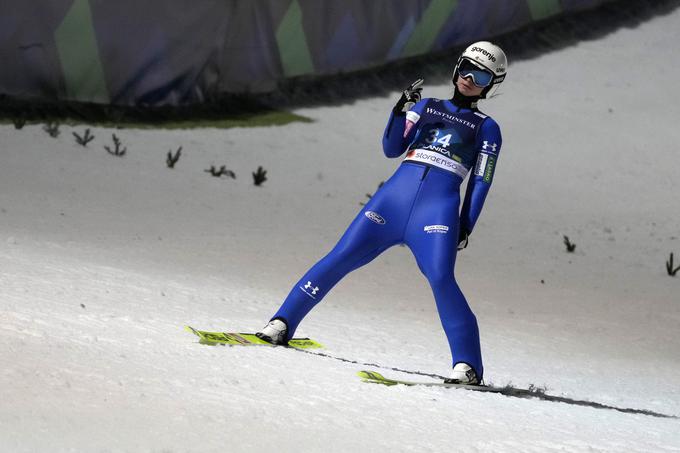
(375, 217)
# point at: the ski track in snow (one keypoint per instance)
(104, 260)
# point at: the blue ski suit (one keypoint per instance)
(418, 206)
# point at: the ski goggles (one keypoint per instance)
(480, 77)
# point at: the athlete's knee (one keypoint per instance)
(344, 258)
(344, 254)
(439, 276)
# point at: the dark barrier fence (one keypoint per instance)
(180, 52)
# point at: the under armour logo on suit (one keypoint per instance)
(486, 146)
(311, 292)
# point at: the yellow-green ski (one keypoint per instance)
(247, 339)
(374, 377)
(532, 392)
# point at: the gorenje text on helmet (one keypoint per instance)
(488, 54)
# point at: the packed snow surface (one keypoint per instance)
(103, 260)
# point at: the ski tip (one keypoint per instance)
(304, 343)
(373, 377)
(370, 375)
(191, 330)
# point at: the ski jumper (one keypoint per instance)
(418, 206)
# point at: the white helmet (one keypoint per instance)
(487, 57)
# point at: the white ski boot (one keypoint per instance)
(462, 373)
(274, 332)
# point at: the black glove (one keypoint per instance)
(409, 97)
(463, 236)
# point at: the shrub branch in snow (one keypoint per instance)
(669, 267)
(52, 129)
(117, 149)
(570, 247)
(172, 159)
(260, 176)
(221, 172)
(84, 139)
(19, 122)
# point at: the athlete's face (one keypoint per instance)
(466, 87)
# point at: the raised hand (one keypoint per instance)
(409, 97)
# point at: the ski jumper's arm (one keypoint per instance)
(488, 145)
(401, 130)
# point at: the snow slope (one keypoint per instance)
(103, 260)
